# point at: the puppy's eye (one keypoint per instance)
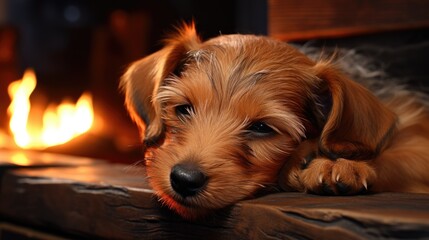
(184, 110)
(260, 129)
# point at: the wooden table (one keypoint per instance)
(48, 196)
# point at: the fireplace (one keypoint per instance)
(80, 47)
(77, 56)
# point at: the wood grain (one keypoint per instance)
(307, 19)
(114, 201)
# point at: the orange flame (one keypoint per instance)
(60, 123)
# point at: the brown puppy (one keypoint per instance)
(224, 118)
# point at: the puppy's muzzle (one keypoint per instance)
(187, 179)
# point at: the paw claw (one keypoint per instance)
(337, 179)
(365, 184)
(320, 178)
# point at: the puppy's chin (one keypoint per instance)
(187, 208)
(208, 202)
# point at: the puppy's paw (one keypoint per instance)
(336, 177)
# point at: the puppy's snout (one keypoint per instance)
(187, 179)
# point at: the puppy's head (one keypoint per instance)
(220, 117)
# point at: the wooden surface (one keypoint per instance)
(114, 201)
(33, 159)
(309, 19)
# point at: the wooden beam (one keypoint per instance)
(114, 201)
(308, 19)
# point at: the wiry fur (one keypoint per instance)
(330, 134)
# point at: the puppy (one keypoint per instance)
(225, 118)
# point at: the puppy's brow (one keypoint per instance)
(239, 83)
(257, 76)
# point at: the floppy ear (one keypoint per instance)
(357, 125)
(141, 81)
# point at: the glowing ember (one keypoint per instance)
(60, 123)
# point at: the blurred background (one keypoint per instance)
(77, 46)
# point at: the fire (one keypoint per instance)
(60, 123)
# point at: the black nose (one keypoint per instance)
(186, 179)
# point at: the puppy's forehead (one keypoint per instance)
(234, 69)
(251, 53)
(239, 45)
(238, 61)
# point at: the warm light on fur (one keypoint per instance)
(237, 113)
